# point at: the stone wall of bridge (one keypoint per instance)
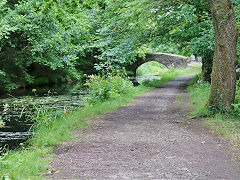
(167, 59)
(163, 58)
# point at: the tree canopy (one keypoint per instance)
(46, 41)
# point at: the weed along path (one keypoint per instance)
(148, 138)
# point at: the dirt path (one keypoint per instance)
(147, 139)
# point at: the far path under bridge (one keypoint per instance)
(163, 58)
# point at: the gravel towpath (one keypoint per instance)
(148, 138)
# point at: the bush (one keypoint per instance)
(53, 35)
(102, 88)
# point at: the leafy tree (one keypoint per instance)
(189, 24)
(50, 34)
(5, 30)
(130, 28)
(71, 36)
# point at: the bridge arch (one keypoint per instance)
(163, 58)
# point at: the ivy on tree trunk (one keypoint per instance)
(223, 82)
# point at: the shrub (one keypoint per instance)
(102, 88)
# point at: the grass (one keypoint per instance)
(199, 93)
(32, 161)
(226, 125)
(195, 64)
(167, 74)
(151, 67)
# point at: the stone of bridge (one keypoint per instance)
(163, 58)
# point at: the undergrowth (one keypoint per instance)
(102, 88)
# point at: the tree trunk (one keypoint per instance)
(207, 62)
(223, 82)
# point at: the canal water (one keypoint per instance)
(17, 107)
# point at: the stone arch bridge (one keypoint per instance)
(163, 58)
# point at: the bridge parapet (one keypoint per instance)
(168, 59)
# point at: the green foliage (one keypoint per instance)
(52, 34)
(125, 27)
(194, 80)
(188, 24)
(43, 117)
(237, 10)
(71, 35)
(5, 28)
(2, 123)
(102, 88)
(131, 28)
(45, 75)
(236, 104)
(226, 126)
(238, 92)
(24, 163)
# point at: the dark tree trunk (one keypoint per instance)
(223, 83)
(207, 62)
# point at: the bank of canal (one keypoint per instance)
(16, 110)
